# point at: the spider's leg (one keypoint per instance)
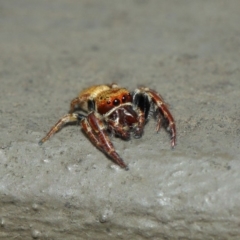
(118, 129)
(163, 110)
(142, 104)
(95, 130)
(141, 122)
(73, 117)
(159, 123)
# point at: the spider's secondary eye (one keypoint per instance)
(108, 102)
(126, 98)
(116, 102)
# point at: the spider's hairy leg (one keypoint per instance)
(141, 122)
(68, 118)
(163, 110)
(158, 100)
(142, 103)
(95, 130)
(159, 123)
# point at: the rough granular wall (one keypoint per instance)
(67, 189)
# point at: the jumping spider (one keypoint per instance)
(111, 108)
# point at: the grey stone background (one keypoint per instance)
(189, 51)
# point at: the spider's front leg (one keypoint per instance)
(68, 118)
(95, 130)
(142, 103)
(147, 96)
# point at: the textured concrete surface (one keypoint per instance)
(67, 189)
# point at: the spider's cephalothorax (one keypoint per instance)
(111, 108)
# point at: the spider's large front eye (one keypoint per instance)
(116, 102)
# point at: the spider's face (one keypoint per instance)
(110, 100)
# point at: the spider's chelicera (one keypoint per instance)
(110, 108)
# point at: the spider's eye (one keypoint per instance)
(126, 98)
(108, 102)
(116, 102)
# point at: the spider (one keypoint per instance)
(112, 109)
